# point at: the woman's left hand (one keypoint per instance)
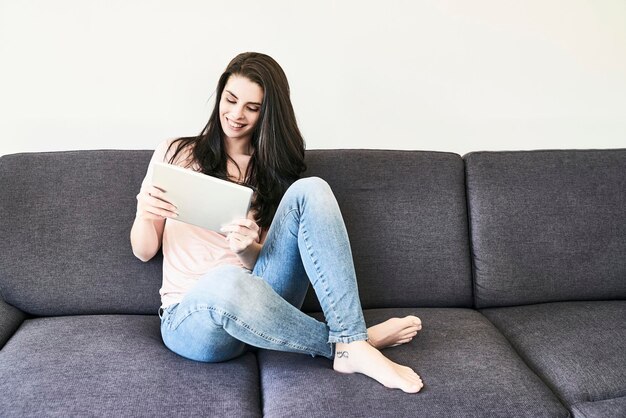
(241, 234)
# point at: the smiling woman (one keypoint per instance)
(239, 112)
(243, 286)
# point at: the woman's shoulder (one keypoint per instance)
(174, 150)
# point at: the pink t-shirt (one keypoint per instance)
(189, 251)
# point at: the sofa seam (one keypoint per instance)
(23, 316)
(597, 400)
(13, 333)
(260, 377)
(525, 360)
(470, 241)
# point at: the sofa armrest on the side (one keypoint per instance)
(10, 320)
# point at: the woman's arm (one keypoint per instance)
(147, 232)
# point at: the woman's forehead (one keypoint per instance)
(244, 89)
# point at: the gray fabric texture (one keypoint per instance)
(406, 217)
(65, 220)
(602, 409)
(114, 366)
(577, 348)
(10, 320)
(468, 368)
(67, 249)
(547, 226)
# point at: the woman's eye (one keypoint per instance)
(253, 109)
(230, 100)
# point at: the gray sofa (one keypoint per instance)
(515, 261)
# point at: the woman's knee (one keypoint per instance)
(311, 186)
(222, 287)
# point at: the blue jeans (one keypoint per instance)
(231, 307)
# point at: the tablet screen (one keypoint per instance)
(202, 200)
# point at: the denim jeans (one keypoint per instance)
(232, 307)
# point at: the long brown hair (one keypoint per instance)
(277, 158)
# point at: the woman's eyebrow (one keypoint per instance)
(232, 94)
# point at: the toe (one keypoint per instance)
(408, 335)
(412, 387)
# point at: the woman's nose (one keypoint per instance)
(237, 112)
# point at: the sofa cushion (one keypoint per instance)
(547, 226)
(601, 409)
(578, 348)
(10, 319)
(116, 365)
(65, 227)
(406, 217)
(468, 369)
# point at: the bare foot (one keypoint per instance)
(394, 331)
(362, 357)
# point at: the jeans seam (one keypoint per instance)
(247, 327)
(339, 339)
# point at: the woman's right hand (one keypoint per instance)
(152, 205)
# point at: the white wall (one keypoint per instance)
(451, 75)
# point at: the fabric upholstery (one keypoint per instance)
(547, 226)
(602, 409)
(468, 369)
(114, 366)
(406, 217)
(65, 226)
(578, 348)
(58, 217)
(10, 320)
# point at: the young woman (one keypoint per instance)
(245, 285)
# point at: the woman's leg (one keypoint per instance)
(308, 237)
(230, 305)
(281, 260)
(229, 308)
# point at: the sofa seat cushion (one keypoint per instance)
(578, 348)
(116, 366)
(468, 368)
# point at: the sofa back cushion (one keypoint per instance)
(65, 225)
(405, 212)
(66, 219)
(547, 225)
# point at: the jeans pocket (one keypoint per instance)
(166, 313)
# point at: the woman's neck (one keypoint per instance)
(239, 150)
(238, 147)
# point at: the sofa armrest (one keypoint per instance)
(10, 320)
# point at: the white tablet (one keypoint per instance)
(202, 200)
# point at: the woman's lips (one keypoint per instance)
(235, 125)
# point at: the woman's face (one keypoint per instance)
(240, 106)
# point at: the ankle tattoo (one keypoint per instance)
(342, 354)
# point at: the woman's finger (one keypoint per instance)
(150, 201)
(162, 204)
(240, 229)
(247, 223)
(238, 242)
